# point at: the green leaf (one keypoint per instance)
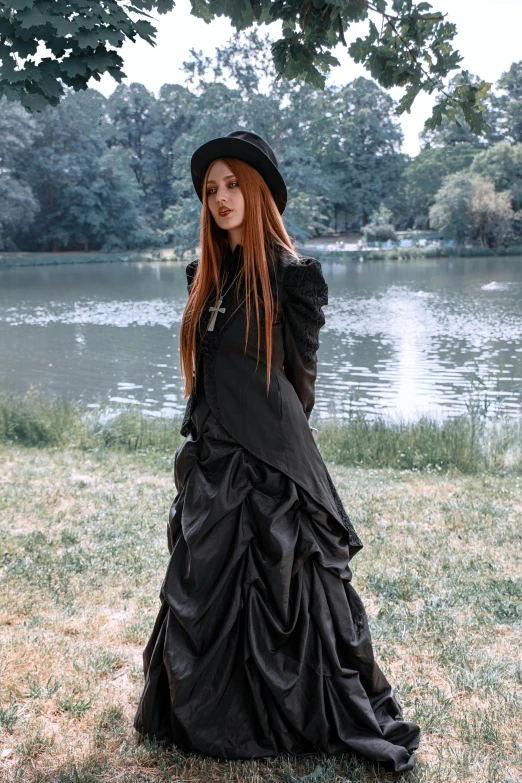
(374, 34)
(407, 99)
(73, 66)
(145, 30)
(31, 17)
(87, 38)
(164, 6)
(436, 117)
(19, 5)
(9, 92)
(202, 10)
(358, 50)
(62, 25)
(8, 69)
(24, 48)
(51, 88)
(33, 102)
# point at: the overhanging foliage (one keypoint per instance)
(407, 44)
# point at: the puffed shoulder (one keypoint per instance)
(305, 293)
(191, 269)
(308, 273)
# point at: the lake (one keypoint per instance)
(402, 338)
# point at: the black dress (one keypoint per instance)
(261, 644)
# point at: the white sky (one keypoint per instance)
(489, 34)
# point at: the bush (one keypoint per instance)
(380, 227)
(468, 207)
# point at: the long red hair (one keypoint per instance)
(263, 232)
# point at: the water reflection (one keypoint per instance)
(420, 336)
(401, 339)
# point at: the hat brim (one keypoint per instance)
(238, 148)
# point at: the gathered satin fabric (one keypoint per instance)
(261, 644)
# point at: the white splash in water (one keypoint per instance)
(494, 286)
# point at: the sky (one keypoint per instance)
(488, 38)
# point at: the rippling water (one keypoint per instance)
(401, 338)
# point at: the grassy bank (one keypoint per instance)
(467, 444)
(83, 555)
(95, 257)
(412, 253)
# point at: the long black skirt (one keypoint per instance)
(261, 644)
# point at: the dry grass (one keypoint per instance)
(82, 555)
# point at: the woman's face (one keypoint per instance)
(225, 199)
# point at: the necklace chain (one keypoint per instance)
(221, 294)
(218, 309)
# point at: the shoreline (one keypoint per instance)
(19, 259)
(161, 255)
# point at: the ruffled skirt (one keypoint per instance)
(261, 644)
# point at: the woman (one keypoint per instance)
(261, 644)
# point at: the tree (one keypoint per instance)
(17, 202)
(410, 46)
(242, 81)
(181, 218)
(174, 116)
(360, 144)
(455, 129)
(338, 149)
(380, 228)
(148, 128)
(131, 113)
(468, 207)
(491, 213)
(502, 163)
(509, 103)
(424, 174)
(87, 194)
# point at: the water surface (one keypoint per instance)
(402, 338)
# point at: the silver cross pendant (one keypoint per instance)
(216, 310)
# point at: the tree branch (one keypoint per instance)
(372, 7)
(341, 31)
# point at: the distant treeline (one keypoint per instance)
(114, 173)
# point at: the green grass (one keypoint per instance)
(24, 258)
(80, 257)
(33, 420)
(468, 444)
(82, 556)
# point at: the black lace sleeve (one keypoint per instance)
(191, 270)
(304, 294)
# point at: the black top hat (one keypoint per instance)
(247, 146)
